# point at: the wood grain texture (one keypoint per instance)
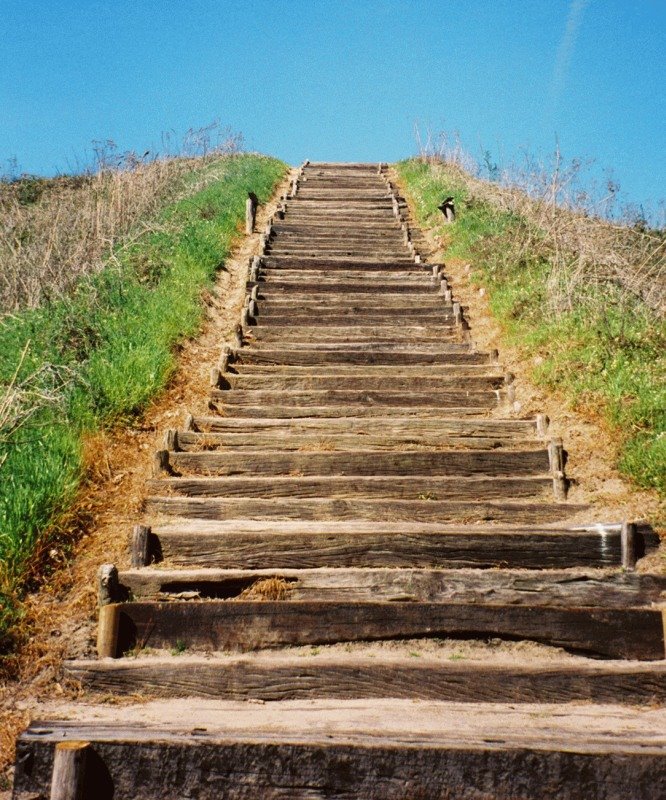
(367, 462)
(241, 625)
(439, 398)
(163, 764)
(290, 678)
(581, 587)
(370, 546)
(414, 487)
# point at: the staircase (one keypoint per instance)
(359, 575)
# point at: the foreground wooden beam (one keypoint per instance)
(403, 750)
(633, 633)
(291, 677)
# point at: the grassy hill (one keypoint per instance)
(103, 275)
(582, 298)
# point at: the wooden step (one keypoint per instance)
(439, 398)
(273, 439)
(366, 462)
(413, 487)
(292, 284)
(446, 355)
(415, 430)
(359, 382)
(351, 333)
(235, 543)
(386, 371)
(214, 625)
(274, 676)
(336, 411)
(426, 302)
(374, 749)
(365, 509)
(608, 588)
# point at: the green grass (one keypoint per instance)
(105, 352)
(606, 354)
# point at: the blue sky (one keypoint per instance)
(339, 79)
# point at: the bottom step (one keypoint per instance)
(393, 750)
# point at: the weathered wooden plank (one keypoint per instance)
(368, 462)
(372, 371)
(279, 677)
(369, 383)
(249, 625)
(250, 750)
(609, 588)
(373, 268)
(312, 318)
(386, 543)
(351, 333)
(277, 262)
(353, 336)
(390, 357)
(439, 398)
(334, 440)
(336, 411)
(383, 304)
(421, 487)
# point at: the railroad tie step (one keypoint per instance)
(273, 543)
(376, 749)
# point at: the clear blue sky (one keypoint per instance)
(339, 79)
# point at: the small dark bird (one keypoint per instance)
(448, 208)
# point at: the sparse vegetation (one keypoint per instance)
(92, 349)
(582, 296)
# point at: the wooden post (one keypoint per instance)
(238, 335)
(250, 213)
(628, 545)
(107, 584)
(171, 440)
(542, 424)
(107, 631)
(215, 378)
(69, 770)
(188, 425)
(494, 356)
(139, 547)
(223, 363)
(161, 464)
(556, 458)
(457, 313)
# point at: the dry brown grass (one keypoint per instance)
(54, 231)
(267, 589)
(569, 224)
